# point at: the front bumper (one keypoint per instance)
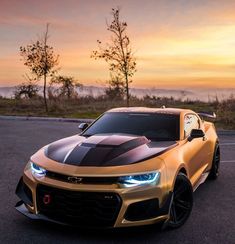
(92, 205)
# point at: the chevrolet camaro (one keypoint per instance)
(130, 167)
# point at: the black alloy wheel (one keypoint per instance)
(182, 201)
(214, 172)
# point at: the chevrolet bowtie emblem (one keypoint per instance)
(74, 179)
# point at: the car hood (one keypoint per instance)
(105, 150)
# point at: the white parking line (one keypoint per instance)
(227, 144)
(228, 161)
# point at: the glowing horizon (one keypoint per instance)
(177, 43)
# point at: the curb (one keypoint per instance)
(52, 119)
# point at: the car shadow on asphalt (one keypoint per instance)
(93, 234)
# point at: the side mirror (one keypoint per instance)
(196, 133)
(83, 126)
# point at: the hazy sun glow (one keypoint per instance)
(184, 43)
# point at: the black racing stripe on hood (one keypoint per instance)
(90, 154)
(58, 150)
(105, 150)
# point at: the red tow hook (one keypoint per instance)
(47, 199)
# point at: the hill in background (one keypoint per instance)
(205, 95)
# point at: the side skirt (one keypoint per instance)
(201, 180)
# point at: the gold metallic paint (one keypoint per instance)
(192, 157)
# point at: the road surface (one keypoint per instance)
(212, 219)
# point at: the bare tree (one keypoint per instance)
(118, 53)
(40, 58)
(66, 86)
(27, 90)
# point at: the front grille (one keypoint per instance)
(85, 180)
(92, 209)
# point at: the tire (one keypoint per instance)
(182, 202)
(214, 172)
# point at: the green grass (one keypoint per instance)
(89, 107)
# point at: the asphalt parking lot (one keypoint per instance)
(212, 219)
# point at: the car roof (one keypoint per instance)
(150, 110)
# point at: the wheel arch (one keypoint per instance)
(181, 169)
(216, 146)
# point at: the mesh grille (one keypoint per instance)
(79, 208)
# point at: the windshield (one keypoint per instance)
(154, 126)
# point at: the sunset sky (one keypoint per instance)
(178, 43)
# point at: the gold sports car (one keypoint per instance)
(132, 166)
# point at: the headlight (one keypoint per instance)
(37, 169)
(143, 179)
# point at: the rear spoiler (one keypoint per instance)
(210, 115)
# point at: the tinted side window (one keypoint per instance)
(190, 122)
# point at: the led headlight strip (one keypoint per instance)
(37, 170)
(142, 179)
